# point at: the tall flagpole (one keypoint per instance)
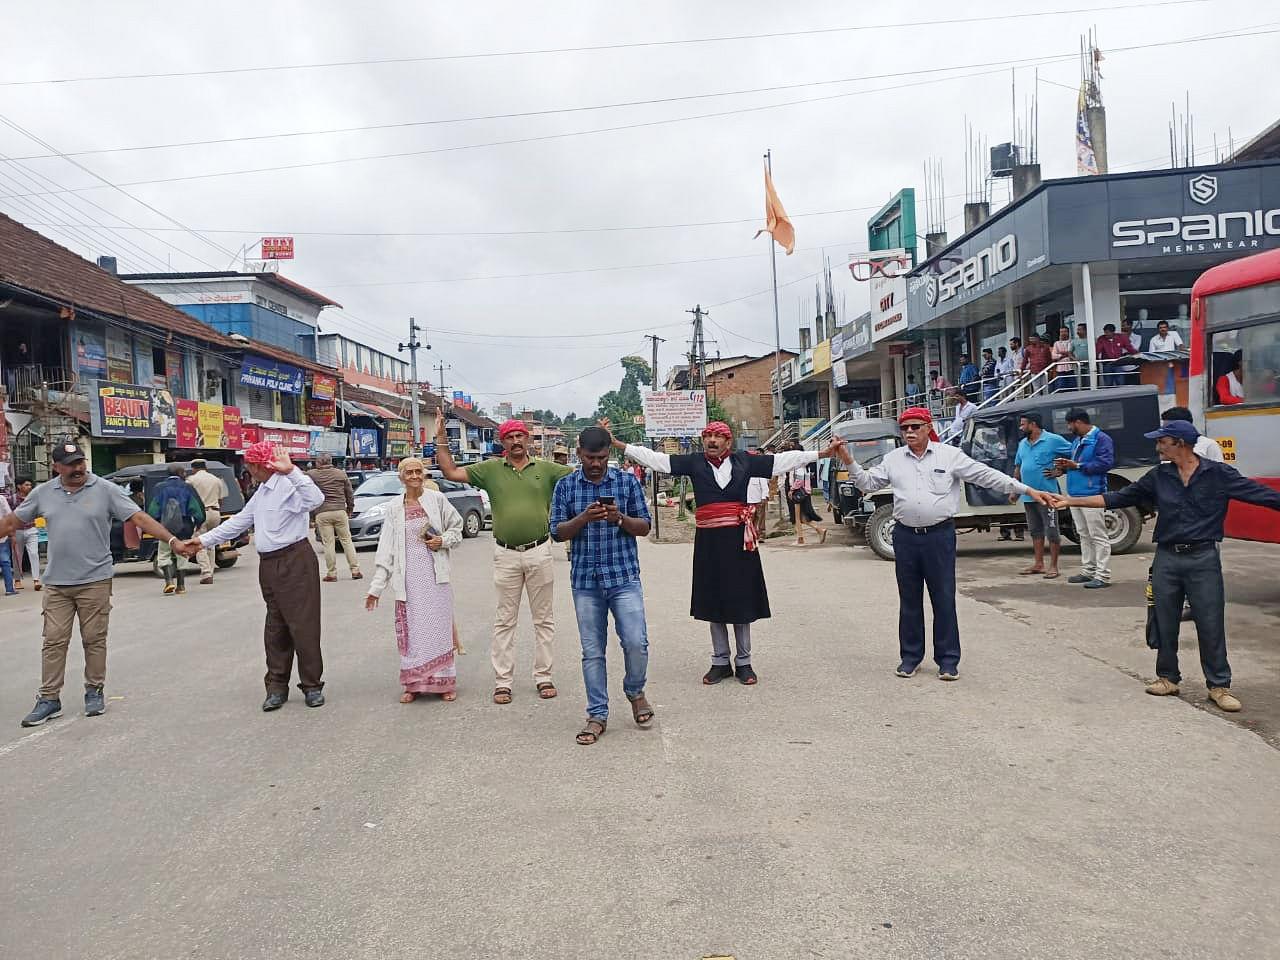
(777, 325)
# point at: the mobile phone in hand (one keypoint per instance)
(605, 501)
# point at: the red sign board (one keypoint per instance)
(322, 387)
(277, 248)
(297, 442)
(320, 413)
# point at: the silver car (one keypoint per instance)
(372, 496)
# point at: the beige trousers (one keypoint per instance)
(333, 523)
(513, 573)
(91, 602)
(1095, 545)
(212, 517)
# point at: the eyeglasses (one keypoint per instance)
(913, 426)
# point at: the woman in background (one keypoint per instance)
(419, 530)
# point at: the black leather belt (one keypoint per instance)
(521, 548)
(1194, 547)
(923, 530)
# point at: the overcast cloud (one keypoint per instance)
(837, 154)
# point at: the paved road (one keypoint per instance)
(1042, 807)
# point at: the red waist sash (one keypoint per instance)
(714, 515)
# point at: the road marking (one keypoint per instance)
(10, 747)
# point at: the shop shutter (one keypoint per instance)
(260, 404)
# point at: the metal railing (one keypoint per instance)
(31, 383)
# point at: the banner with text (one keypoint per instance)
(399, 438)
(208, 426)
(131, 410)
(364, 443)
(270, 374)
(296, 442)
(675, 413)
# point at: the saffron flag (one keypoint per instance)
(775, 218)
(1086, 161)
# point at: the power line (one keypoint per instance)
(997, 67)
(641, 44)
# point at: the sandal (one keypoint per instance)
(408, 696)
(546, 690)
(641, 711)
(502, 695)
(592, 732)
(449, 697)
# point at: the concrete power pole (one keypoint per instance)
(654, 443)
(412, 346)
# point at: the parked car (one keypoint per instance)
(372, 496)
(358, 477)
(991, 437)
(154, 474)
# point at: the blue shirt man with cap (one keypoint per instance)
(78, 509)
(1191, 495)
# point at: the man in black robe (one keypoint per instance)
(728, 580)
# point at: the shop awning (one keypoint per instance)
(361, 410)
(383, 412)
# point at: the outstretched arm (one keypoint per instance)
(444, 458)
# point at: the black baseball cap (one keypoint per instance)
(67, 453)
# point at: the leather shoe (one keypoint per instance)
(274, 701)
(1225, 699)
(315, 698)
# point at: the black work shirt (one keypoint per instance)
(1196, 511)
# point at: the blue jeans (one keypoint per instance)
(593, 608)
(6, 567)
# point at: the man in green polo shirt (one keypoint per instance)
(520, 491)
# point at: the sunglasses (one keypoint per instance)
(913, 426)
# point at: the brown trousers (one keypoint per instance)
(91, 602)
(290, 582)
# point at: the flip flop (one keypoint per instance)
(1030, 573)
(1052, 576)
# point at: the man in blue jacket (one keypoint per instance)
(1092, 457)
(175, 502)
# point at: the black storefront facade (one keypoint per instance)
(1092, 250)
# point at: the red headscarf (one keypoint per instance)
(920, 413)
(260, 453)
(718, 428)
(511, 426)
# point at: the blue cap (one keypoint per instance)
(1178, 429)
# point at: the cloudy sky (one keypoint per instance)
(536, 264)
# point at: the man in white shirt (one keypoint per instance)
(211, 491)
(1165, 339)
(964, 410)
(928, 478)
(288, 571)
(1005, 367)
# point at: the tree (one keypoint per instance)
(638, 370)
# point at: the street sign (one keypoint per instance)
(277, 248)
(675, 413)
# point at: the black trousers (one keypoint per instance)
(290, 582)
(1196, 577)
(920, 560)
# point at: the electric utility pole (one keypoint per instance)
(698, 351)
(441, 367)
(413, 346)
(653, 441)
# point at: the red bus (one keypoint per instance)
(1234, 375)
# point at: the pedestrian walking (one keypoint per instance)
(800, 493)
(520, 489)
(560, 454)
(279, 512)
(927, 478)
(211, 490)
(964, 409)
(728, 579)
(1191, 495)
(600, 511)
(176, 505)
(1034, 467)
(78, 508)
(758, 497)
(333, 517)
(6, 553)
(419, 529)
(25, 539)
(1092, 456)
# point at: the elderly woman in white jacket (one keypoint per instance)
(418, 530)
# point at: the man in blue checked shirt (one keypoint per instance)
(601, 510)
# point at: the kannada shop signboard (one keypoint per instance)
(399, 438)
(208, 426)
(296, 442)
(323, 388)
(130, 410)
(320, 413)
(257, 371)
(675, 413)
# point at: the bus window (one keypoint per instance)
(1245, 364)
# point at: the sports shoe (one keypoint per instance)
(1079, 578)
(1227, 701)
(1163, 687)
(169, 589)
(718, 672)
(1096, 585)
(95, 705)
(905, 671)
(745, 674)
(948, 673)
(44, 709)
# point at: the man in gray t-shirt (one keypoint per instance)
(78, 509)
